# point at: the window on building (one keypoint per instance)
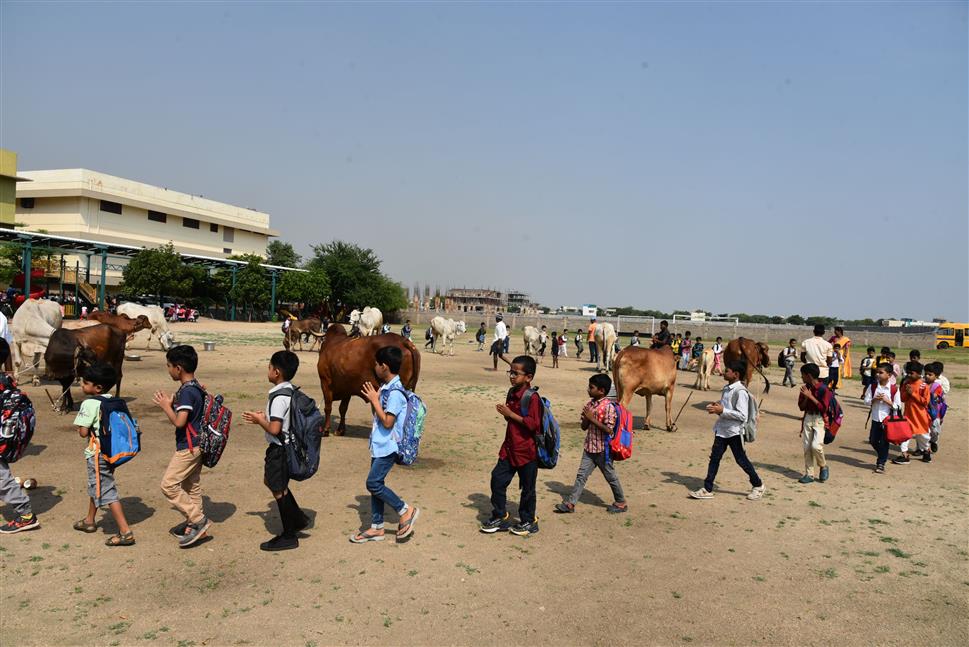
(157, 216)
(213, 227)
(228, 235)
(111, 207)
(27, 203)
(226, 250)
(191, 223)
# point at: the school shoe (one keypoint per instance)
(926, 457)
(194, 532)
(934, 446)
(279, 542)
(496, 525)
(879, 468)
(917, 452)
(617, 509)
(756, 493)
(823, 476)
(524, 529)
(565, 507)
(702, 493)
(806, 479)
(901, 460)
(20, 524)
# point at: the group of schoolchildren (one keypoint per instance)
(922, 392)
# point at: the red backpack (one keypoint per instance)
(620, 446)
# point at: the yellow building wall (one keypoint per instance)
(8, 187)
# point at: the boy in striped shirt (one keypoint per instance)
(598, 420)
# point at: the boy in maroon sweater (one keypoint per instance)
(518, 454)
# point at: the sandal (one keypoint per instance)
(365, 536)
(404, 529)
(126, 539)
(83, 526)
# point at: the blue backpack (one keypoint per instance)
(409, 443)
(304, 436)
(119, 439)
(548, 438)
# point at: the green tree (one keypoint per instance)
(312, 287)
(795, 320)
(10, 262)
(282, 254)
(355, 278)
(158, 271)
(251, 290)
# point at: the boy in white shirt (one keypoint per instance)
(883, 398)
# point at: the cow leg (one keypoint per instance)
(327, 409)
(66, 401)
(342, 427)
(649, 410)
(669, 410)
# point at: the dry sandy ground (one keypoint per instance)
(861, 559)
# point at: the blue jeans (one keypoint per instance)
(684, 360)
(380, 493)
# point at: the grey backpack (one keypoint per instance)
(750, 425)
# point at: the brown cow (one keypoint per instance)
(648, 372)
(124, 323)
(346, 363)
(300, 330)
(69, 352)
(756, 354)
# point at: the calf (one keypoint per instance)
(648, 372)
(70, 352)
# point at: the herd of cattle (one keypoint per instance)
(345, 360)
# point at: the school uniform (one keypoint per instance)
(812, 431)
(276, 471)
(594, 452)
(518, 455)
(728, 432)
(880, 411)
(101, 486)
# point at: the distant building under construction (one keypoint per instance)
(487, 301)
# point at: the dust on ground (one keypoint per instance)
(861, 559)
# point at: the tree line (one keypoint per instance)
(339, 276)
(743, 317)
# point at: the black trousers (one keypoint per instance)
(501, 477)
(879, 441)
(736, 445)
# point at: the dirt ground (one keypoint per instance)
(861, 559)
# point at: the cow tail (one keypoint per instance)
(766, 381)
(416, 357)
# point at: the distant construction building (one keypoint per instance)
(521, 303)
(474, 300)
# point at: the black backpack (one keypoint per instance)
(305, 435)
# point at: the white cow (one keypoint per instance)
(533, 340)
(369, 322)
(32, 325)
(606, 343)
(159, 325)
(704, 369)
(446, 330)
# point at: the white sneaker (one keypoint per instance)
(756, 493)
(702, 493)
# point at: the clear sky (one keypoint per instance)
(775, 158)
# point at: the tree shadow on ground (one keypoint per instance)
(587, 496)
(217, 511)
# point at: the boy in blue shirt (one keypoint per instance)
(389, 406)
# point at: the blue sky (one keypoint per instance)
(744, 157)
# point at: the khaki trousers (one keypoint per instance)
(180, 484)
(812, 433)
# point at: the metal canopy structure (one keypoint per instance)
(32, 241)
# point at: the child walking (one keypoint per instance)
(915, 397)
(731, 414)
(389, 406)
(555, 349)
(185, 411)
(789, 355)
(834, 367)
(102, 490)
(812, 423)
(718, 357)
(882, 397)
(867, 370)
(11, 491)
(518, 453)
(937, 404)
(480, 336)
(275, 423)
(578, 343)
(598, 419)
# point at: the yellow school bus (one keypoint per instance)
(952, 334)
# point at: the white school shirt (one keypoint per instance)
(731, 422)
(880, 410)
(278, 409)
(5, 330)
(835, 359)
(501, 331)
(717, 348)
